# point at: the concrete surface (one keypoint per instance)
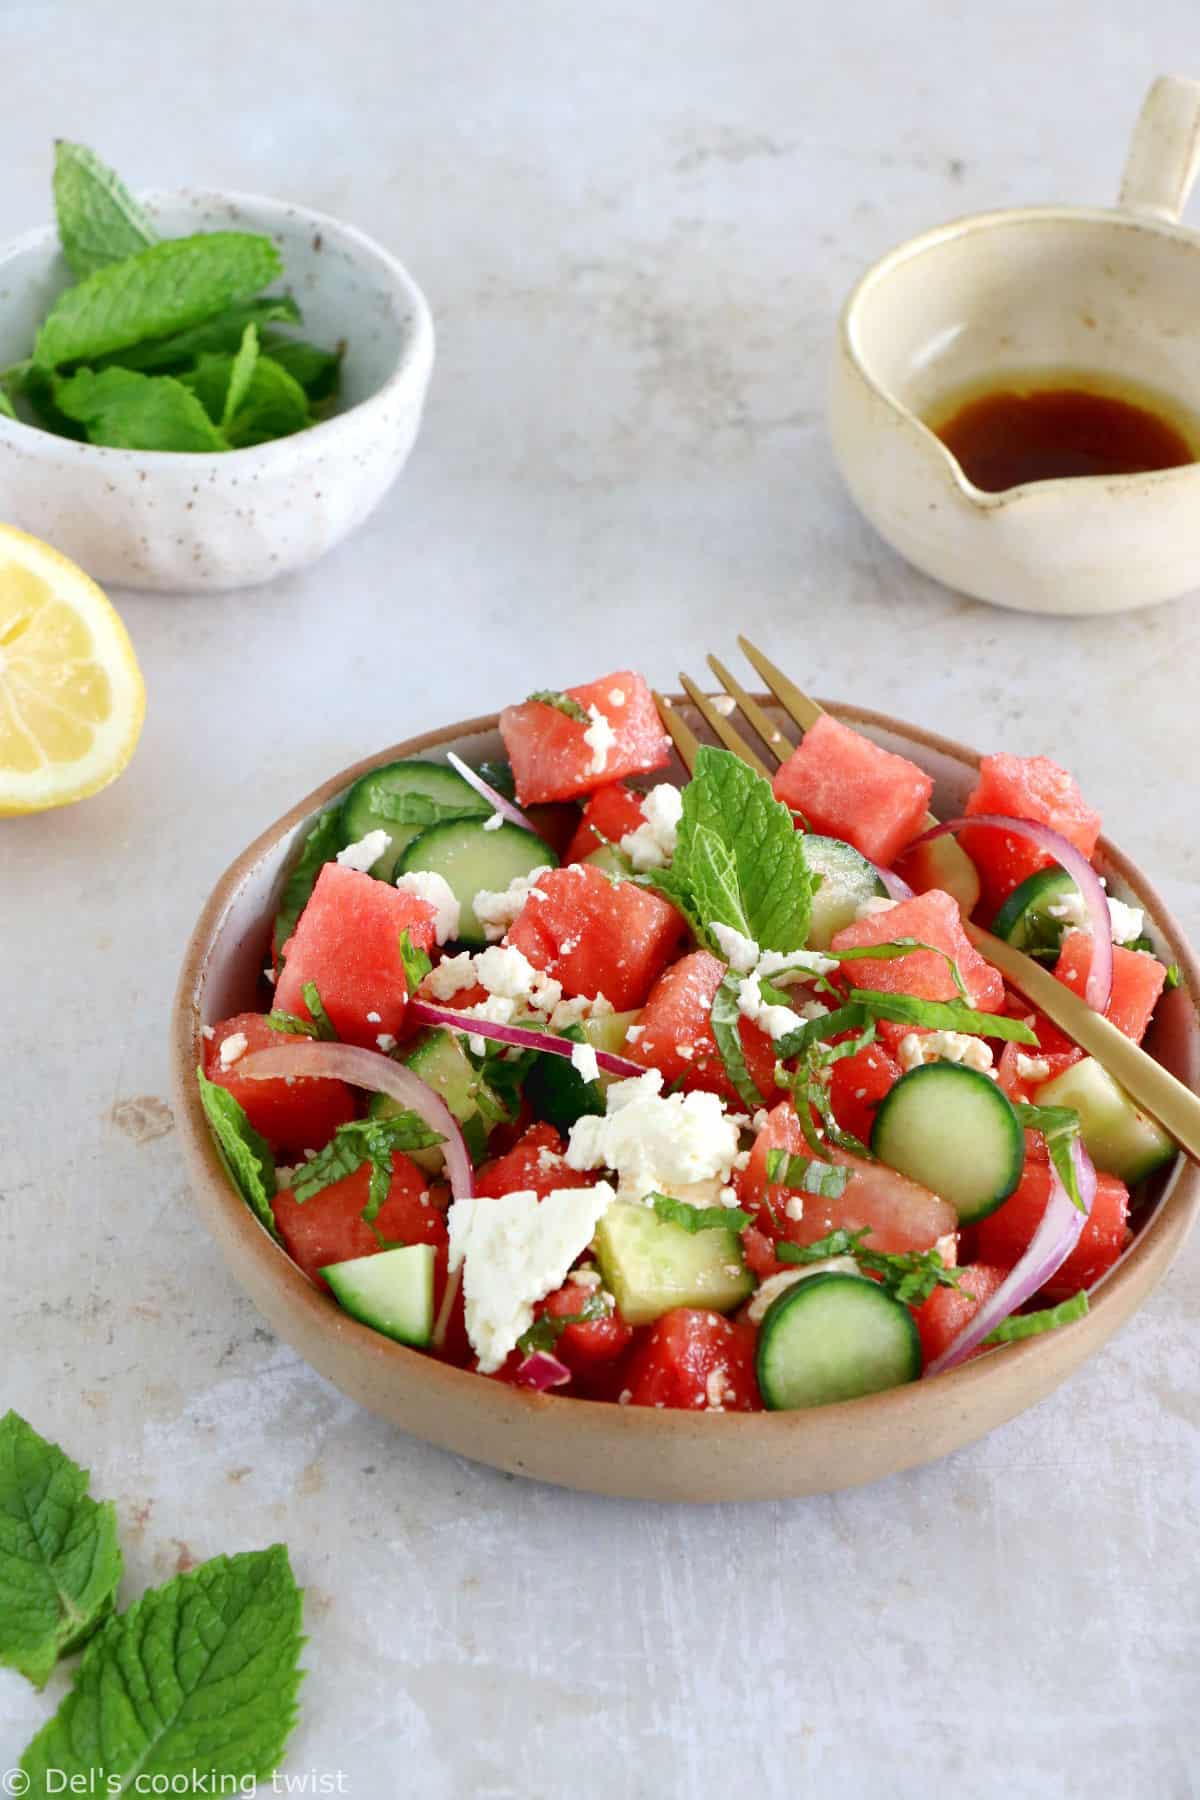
(634, 224)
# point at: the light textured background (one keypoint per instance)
(634, 224)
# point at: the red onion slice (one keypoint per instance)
(1050, 1246)
(540, 1371)
(494, 798)
(897, 887)
(378, 1075)
(1064, 852)
(523, 1036)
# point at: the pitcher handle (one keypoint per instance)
(1164, 155)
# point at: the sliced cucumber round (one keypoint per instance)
(953, 1130)
(404, 799)
(1027, 918)
(847, 879)
(392, 1291)
(834, 1337)
(471, 859)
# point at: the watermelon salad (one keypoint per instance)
(696, 1095)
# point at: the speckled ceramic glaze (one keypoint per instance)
(1062, 290)
(194, 523)
(633, 1451)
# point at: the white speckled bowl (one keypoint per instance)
(151, 519)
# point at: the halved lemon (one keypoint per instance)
(72, 698)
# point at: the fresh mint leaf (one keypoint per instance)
(942, 1015)
(909, 1276)
(699, 1218)
(162, 289)
(59, 1557)
(128, 411)
(311, 996)
(198, 1678)
(1060, 1127)
(545, 1331)
(725, 1021)
(320, 846)
(1174, 977)
(316, 370)
(561, 702)
(218, 336)
(7, 409)
(240, 375)
(371, 1140)
(291, 1024)
(1026, 1325)
(734, 829)
(275, 406)
(246, 1156)
(99, 221)
(903, 947)
(809, 1084)
(805, 1175)
(416, 964)
(409, 808)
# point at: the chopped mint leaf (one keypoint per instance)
(807, 1176)
(420, 809)
(218, 336)
(725, 1020)
(164, 288)
(561, 702)
(60, 1562)
(128, 411)
(240, 375)
(909, 1277)
(320, 846)
(809, 1084)
(291, 1024)
(1025, 1325)
(371, 1140)
(246, 1156)
(545, 1331)
(320, 1018)
(1174, 977)
(739, 858)
(699, 1218)
(943, 1015)
(199, 1678)
(99, 221)
(1060, 1127)
(416, 964)
(903, 946)
(274, 406)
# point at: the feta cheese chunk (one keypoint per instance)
(513, 1251)
(1032, 1068)
(233, 1048)
(740, 952)
(433, 888)
(496, 910)
(493, 822)
(452, 975)
(583, 1061)
(655, 1144)
(653, 843)
(366, 852)
(509, 972)
(1126, 922)
(599, 738)
(944, 1046)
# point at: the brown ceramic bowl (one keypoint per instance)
(641, 1453)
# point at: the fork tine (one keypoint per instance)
(728, 734)
(794, 702)
(680, 732)
(780, 746)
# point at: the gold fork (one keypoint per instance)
(1164, 1097)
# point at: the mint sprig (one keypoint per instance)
(60, 1562)
(99, 221)
(246, 1156)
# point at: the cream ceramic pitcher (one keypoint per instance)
(1113, 293)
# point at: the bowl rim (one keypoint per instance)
(1164, 1232)
(936, 238)
(415, 358)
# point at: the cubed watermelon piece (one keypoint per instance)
(1137, 981)
(857, 1084)
(297, 1114)
(551, 756)
(848, 787)
(1021, 1087)
(1005, 1235)
(347, 940)
(950, 1310)
(609, 814)
(674, 1033)
(933, 919)
(330, 1228)
(1022, 787)
(534, 1165)
(596, 935)
(695, 1361)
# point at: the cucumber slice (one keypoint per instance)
(834, 1337)
(439, 1058)
(953, 1130)
(392, 1292)
(1027, 921)
(609, 1031)
(947, 866)
(472, 859)
(1117, 1135)
(650, 1265)
(847, 879)
(557, 1092)
(610, 859)
(405, 799)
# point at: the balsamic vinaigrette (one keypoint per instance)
(1039, 430)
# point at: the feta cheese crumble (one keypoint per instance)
(493, 822)
(364, 854)
(652, 844)
(944, 1046)
(509, 973)
(600, 738)
(496, 909)
(513, 1251)
(233, 1048)
(436, 891)
(616, 696)
(656, 1144)
(740, 952)
(1032, 1068)
(583, 1061)
(1125, 922)
(452, 975)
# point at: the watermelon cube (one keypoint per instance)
(849, 788)
(610, 813)
(596, 935)
(296, 1114)
(330, 1228)
(933, 919)
(1137, 981)
(675, 1033)
(347, 940)
(1005, 1235)
(1022, 787)
(556, 757)
(950, 1310)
